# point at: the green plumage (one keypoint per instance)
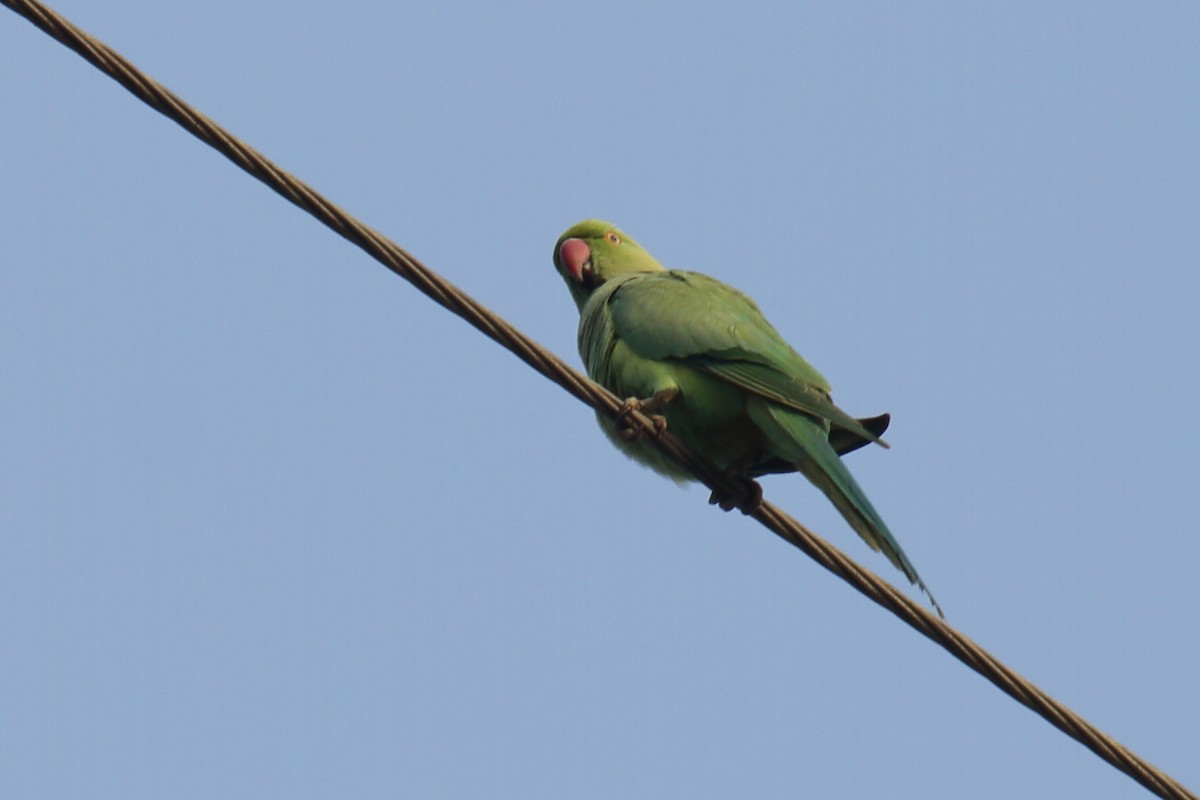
(742, 397)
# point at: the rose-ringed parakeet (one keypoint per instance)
(699, 357)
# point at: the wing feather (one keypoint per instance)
(710, 326)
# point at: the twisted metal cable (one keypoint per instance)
(449, 296)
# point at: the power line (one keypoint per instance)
(449, 296)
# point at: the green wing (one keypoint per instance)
(701, 322)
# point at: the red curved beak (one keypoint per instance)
(575, 255)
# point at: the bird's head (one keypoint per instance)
(594, 251)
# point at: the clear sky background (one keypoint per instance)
(273, 525)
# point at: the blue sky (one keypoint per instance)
(274, 525)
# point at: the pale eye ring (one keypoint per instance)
(612, 237)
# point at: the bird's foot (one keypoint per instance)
(747, 499)
(631, 432)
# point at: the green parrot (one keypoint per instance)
(701, 359)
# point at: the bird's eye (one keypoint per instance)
(612, 237)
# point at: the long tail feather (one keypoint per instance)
(805, 442)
